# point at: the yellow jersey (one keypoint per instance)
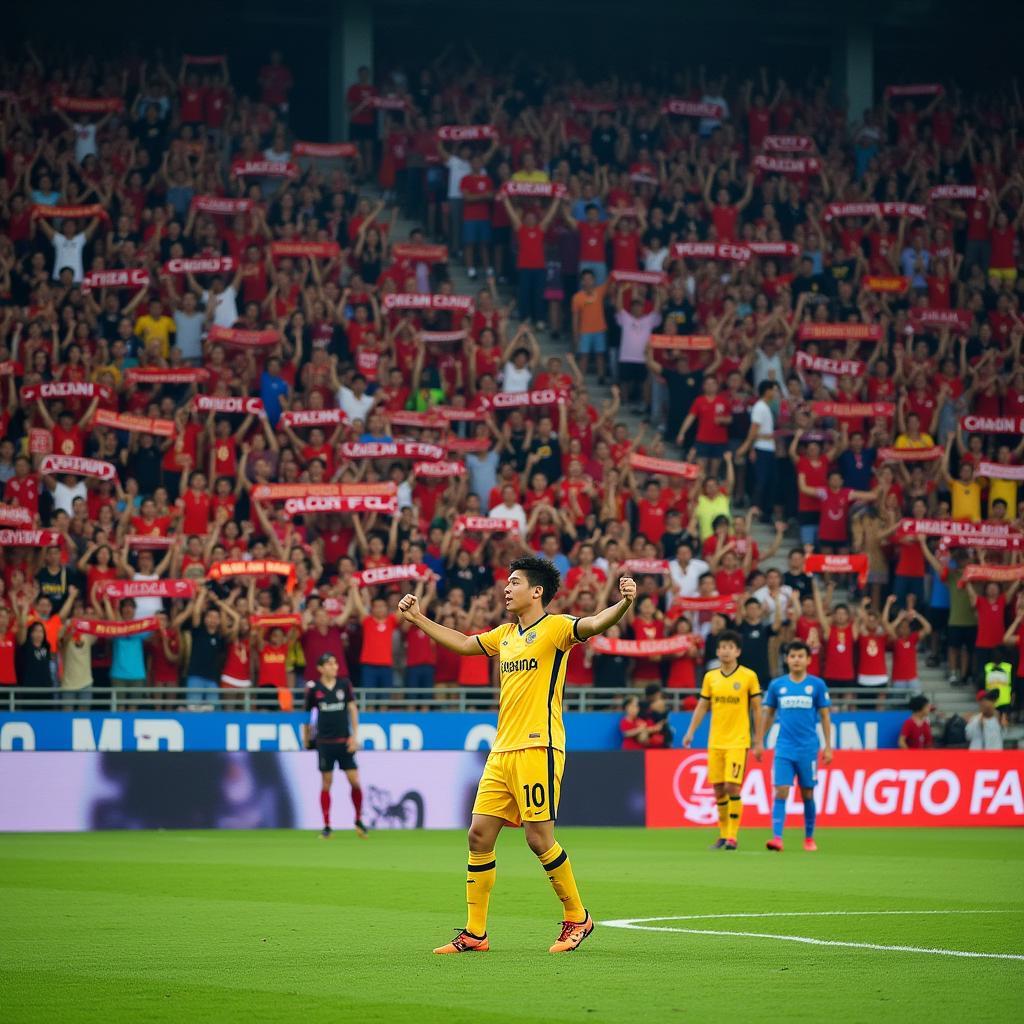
(966, 500)
(531, 670)
(730, 706)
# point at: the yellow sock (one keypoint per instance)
(556, 864)
(479, 883)
(723, 817)
(735, 813)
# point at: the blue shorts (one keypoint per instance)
(594, 342)
(476, 232)
(711, 451)
(786, 769)
(376, 677)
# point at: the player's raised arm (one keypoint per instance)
(455, 641)
(595, 625)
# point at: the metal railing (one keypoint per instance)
(402, 699)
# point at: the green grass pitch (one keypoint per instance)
(281, 926)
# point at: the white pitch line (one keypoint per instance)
(639, 924)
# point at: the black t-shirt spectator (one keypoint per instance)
(610, 670)
(54, 585)
(144, 465)
(800, 583)
(755, 649)
(602, 142)
(550, 461)
(207, 657)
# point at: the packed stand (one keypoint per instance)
(242, 416)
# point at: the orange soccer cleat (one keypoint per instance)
(775, 843)
(573, 933)
(464, 942)
(810, 845)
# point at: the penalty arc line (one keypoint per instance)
(639, 924)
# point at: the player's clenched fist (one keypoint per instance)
(409, 606)
(627, 588)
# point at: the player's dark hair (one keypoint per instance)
(730, 636)
(539, 572)
(652, 690)
(798, 645)
(918, 702)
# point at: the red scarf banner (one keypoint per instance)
(640, 276)
(325, 150)
(420, 253)
(389, 102)
(255, 567)
(305, 250)
(113, 628)
(317, 505)
(850, 410)
(797, 165)
(788, 144)
(889, 285)
(839, 332)
(81, 212)
(786, 249)
(992, 424)
(283, 621)
(29, 538)
(520, 399)
(392, 450)
(667, 645)
(85, 105)
(9, 368)
(692, 108)
(847, 564)
(265, 169)
(646, 566)
(430, 420)
(228, 404)
(997, 471)
(75, 465)
(166, 375)
(999, 542)
(465, 445)
(311, 417)
(718, 603)
(466, 132)
(150, 540)
(939, 192)
(923, 319)
(533, 189)
(135, 278)
(424, 300)
(244, 339)
(909, 454)
(486, 524)
(66, 389)
(201, 265)
(439, 469)
(281, 492)
(15, 515)
(137, 424)
(117, 590)
(991, 574)
(382, 574)
(221, 205)
(724, 251)
(915, 211)
(950, 528)
(917, 89)
(682, 342)
(204, 60)
(664, 467)
(441, 337)
(40, 442)
(455, 414)
(583, 106)
(836, 367)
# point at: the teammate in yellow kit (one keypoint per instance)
(731, 693)
(523, 774)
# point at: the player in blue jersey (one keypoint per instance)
(798, 699)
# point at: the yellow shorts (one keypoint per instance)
(1003, 273)
(521, 785)
(727, 765)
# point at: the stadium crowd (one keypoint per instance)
(241, 416)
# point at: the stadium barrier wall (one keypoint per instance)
(435, 730)
(67, 791)
(867, 788)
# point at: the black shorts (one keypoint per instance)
(329, 754)
(961, 636)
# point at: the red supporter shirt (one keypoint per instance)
(904, 657)
(871, 654)
(839, 654)
(917, 735)
(197, 512)
(991, 621)
(273, 667)
(707, 411)
(531, 248)
(476, 184)
(377, 637)
(835, 510)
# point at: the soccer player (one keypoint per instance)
(333, 732)
(522, 778)
(730, 692)
(798, 699)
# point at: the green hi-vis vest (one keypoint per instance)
(1004, 686)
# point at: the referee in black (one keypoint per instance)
(333, 732)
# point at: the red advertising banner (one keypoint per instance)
(890, 788)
